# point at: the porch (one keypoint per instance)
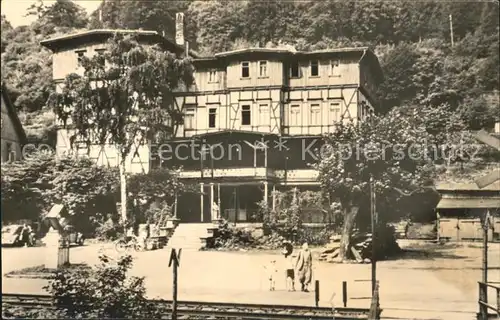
(236, 202)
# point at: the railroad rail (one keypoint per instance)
(222, 310)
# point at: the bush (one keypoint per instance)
(109, 230)
(104, 292)
(314, 236)
(233, 238)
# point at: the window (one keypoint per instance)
(263, 68)
(333, 65)
(212, 115)
(264, 114)
(315, 114)
(334, 112)
(100, 53)
(245, 69)
(295, 113)
(80, 55)
(314, 69)
(212, 76)
(294, 70)
(189, 118)
(245, 115)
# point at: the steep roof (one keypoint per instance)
(13, 114)
(69, 40)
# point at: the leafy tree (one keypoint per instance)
(154, 192)
(6, 32)
(147, 15)
(24, 187)
(106, 292)
(478, 115)
(399, 68)
(124, 99)
(61, 16)
(377, 149)
(222, 18)
(31, 186)
(27, 70)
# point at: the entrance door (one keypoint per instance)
(188, 207)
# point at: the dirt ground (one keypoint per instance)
(459, 264)
(428, 282)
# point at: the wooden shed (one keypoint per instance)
(463, 207)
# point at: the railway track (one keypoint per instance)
(215, 310)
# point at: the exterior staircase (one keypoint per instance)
(187, 236)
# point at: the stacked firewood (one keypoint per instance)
(360, 247)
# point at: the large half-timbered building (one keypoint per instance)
(252, 120)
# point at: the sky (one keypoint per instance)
(15, 10)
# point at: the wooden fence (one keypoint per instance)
(483, 301)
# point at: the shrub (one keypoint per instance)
(228, 237)
(104, 292)
(314, 236)
(109, 230)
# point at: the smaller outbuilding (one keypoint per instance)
(463, 208)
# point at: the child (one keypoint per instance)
(271, 270)
(290, 265)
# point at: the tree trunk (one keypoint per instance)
(349, 218)
(123, 192)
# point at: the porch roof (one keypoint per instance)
(468, 186)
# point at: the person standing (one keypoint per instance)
(289, 271)
(304, 267)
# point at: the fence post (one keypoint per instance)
(498, 300)
(344, 293)
(483, 309)
(316, 292)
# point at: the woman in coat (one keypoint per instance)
(303, 267)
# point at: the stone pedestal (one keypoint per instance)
(173, 222)
(217, 222)
(52, 240)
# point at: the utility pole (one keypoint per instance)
(451, 30)
(483, 290)
(373, 222)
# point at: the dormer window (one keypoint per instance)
(314, 68)
(294, 70)
(263, 68)
(245, 69)
(212, 76)
(333, 65)
(80, 54)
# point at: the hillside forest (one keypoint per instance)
(422, 63)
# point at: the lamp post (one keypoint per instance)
(373, 223)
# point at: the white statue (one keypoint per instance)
(215, 211)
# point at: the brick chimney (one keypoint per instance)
(179, 29)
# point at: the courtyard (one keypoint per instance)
(428, 282)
